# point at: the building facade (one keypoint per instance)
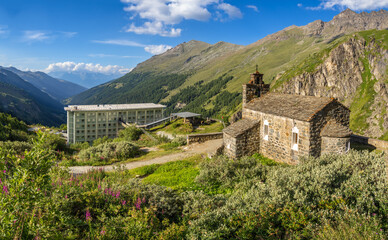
(286, 127)
(86, 123)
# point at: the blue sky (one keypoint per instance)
(110, 36)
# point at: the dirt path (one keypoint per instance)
(208, 148)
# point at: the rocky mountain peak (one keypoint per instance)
(346, 14)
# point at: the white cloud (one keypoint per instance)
(356, 5)
(230, 10)
(153, 49)
(35, 36)
(86, 67)
(154, 28)
(300, 5)
(157, 49)
(160, 16)
(121, 42)
(253, 7)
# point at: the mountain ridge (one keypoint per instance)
(275, 55)
(58, 89)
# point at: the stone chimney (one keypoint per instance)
(255, 87)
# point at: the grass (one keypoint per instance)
(266, 161)
(178, 175)
(360, 108)
(152, 155)
(177, 127)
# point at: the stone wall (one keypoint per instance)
(244, 144)
(333, 110)
(250, 91)
(198, 138)
(335, 145)
(279, 143)
(378, 144)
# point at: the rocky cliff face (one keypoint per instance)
(355, 72)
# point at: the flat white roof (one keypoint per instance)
(107, 107)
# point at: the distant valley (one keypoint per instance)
(35, 97)
(344, 58)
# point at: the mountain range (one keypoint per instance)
(344, 58)
(54, 87)
(34, 97)
(87, 79)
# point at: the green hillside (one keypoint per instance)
(28, 103)
(207, 79)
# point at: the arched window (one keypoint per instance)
(266, 130)
(295, 138)
(347, 148)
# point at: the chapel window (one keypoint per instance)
(295, 138)
(266, 129)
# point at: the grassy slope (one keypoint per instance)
(179, 128)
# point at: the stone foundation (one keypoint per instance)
(331, 145)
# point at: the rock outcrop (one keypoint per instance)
(355, 72)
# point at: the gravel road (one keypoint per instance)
(208, 148)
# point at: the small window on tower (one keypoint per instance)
(266, 129)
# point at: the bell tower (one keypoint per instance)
(255, 87)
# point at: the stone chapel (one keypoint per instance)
(285, 127)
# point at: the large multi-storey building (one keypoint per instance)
(86, 123)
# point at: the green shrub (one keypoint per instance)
(79, 146)
(130, 133)
(351, 226)
(17, 146)
(105, 152)
(11, 129)
(54, 142)
(223, 174)
(102, 140)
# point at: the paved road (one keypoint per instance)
(208, 148)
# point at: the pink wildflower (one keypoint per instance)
(123, 202)
(88, 216)
(138, 204)
(5, 190)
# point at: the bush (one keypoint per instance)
(54, 142)
(131, 133)
(18, 147)
(79, 146)
(11, 129)
(105, 152)
(102, 140)
(223, 174)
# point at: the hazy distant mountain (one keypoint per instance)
(56, 88)
(196, 76)
(86, 79)
(28, 103)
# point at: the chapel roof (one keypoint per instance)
(335, 129)
(240, 127)
(297, 107)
